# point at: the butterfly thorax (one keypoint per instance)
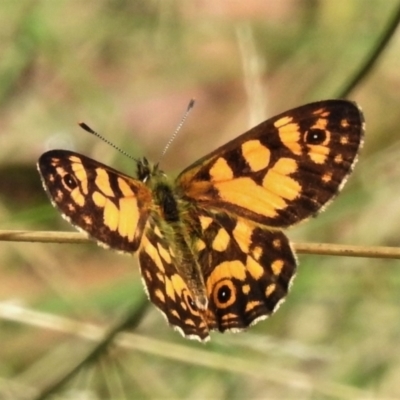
(161, 188)
(169, 215)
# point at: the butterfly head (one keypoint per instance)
(145, 171)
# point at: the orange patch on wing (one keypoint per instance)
(148, 275)
(257, 252)
(221, 240)
(285, 166)
(344, 123)
(73, 159)
(160, 277)
(99, 199)
(290, 136)
(160, 295)
(88, 220)
(245, 193)
(318, 153)
(111, 215)
(320, 124)
(327, 177)
(189, 322)
(157, 231)
(277, 266)
(60, 171)
(103, 183)
(175, 314)
(256, 155)
(277, 243)
(78, 197)
(270, 289)
(338, 159)
(282, 121)
(229, 316)
(125, 188)
(152, 252)
(254, 268)
(80, 174)
(200, 245)
(251, 305)
(277, 182)
(127, 225)
(59, 195)
(221, 171)
(246, 289)
(205, 222)
(322, 112)
(242, 234)
(178, 284)
(164, 254)
(169, 289)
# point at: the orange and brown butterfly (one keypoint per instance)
(211, 251)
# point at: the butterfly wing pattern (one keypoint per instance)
(283, 170)
(111, 207)
(211, 251)
(248, 270)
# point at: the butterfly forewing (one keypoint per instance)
(283, 170)
(110, 206)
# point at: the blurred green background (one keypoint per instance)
(128, 69)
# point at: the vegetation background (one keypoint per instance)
(128, 69)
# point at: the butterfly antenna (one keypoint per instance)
(188, 109)
(87, 128)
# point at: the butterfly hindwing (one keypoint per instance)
(110, 206)
(247, 269)
(283, 170)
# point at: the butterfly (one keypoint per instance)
(210, 244)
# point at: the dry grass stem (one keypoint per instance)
(330, 249)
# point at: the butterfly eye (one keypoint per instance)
(70, 181)
(315, 136)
